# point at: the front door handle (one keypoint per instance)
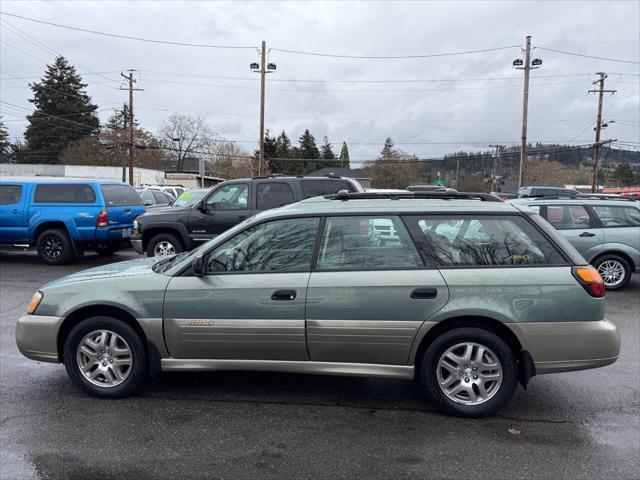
(284, 295)
(587, 234)
(242, 217)
(15, 210)
(424, 293)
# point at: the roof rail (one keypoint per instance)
(345, 195)
(273, 175)
(585, 196)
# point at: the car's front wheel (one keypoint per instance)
(614, 270)
(164, 244)
(105, 357)
(468, 372)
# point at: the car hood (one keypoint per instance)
(128, 268)
(164, 213)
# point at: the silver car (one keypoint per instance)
(606, 231)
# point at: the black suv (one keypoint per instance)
(183, 228)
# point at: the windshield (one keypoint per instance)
(190, 197)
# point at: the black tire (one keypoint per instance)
(427, 373)
(616, 259)
(164, 237)
(138, 372)
(106, 250)
(54, 247)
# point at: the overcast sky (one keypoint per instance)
(447, 103)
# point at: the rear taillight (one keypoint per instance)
(103, 219)
(590, 280)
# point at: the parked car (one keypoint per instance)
(63, 217)
(427, 188)
(178, 229)
(473, 296)
(154, 198)
(174, 190)
(605, 230)
(526, 192)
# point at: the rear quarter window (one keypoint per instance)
(10, 194)
(64, 193)
(613, 216)
(317, 188)
(447, 240)
(116, 195)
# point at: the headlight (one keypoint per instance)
(135, 228)
(35, 301)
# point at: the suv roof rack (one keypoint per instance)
(273, 175)
(345, 195)
(585, 196)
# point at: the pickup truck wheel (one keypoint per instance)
(164, 244)
(54, 247)
(105, 357)
(614, 270)
(469, 372)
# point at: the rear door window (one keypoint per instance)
(317, 188)
(618, 216)
(569, 217)
(366, 243)
(10, 194)
(116, 195)
(65, 193)
(273, 195)
(491, 240)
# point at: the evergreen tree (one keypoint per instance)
(326, 153)
(388, 152)
(120, 119)
(344, 155)
(63, 112)
(623, 175)
(308, 150)
(5, 144)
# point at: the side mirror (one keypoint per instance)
(148, 203)
(197, 265)
(202, 206)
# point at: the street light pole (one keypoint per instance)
(263, 68)
(527, 67)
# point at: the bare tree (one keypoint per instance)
(187, 136)
(231, 161)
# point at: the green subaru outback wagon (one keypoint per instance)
(468, 295)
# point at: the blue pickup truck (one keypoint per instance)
(62, 217)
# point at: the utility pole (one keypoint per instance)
(263, 69)
(598, 128)
(496, 157)
(527, 67)
(131, 81)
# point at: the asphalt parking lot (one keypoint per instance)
(258, 425)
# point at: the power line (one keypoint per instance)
(394, 57)
(127, 37)
(588, 56)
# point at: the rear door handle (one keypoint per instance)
(284, 295)
(587, 234)
(15, 210)
(424, 293)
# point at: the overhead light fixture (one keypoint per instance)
(536, 62)
(254, 66)
(271, 66)
(517, 62)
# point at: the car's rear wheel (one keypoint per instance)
(614, 270)
(105, 357)
(164, 244)
(54, 247)
(468, 372)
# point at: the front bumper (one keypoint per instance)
(136, 243)
(567, 346)
(36, 337)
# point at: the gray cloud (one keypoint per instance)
(452, 114)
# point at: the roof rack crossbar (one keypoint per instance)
(584, 197)
(345, 195)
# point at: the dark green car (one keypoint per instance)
(465, 293)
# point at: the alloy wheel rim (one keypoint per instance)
(52, 246)
(469, 373)
(164, 248)
(104, 358)
(612, 272)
